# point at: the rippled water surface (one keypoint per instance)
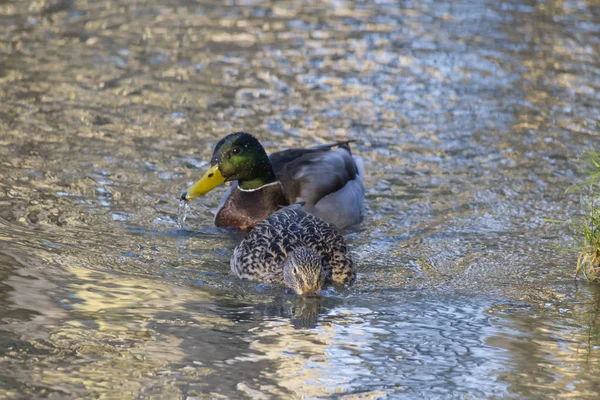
(470, 116)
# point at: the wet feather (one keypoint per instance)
(260, 256)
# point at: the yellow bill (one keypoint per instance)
(211, 179)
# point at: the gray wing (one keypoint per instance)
(280, 158)
(314, 174)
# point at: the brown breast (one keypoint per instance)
(244, 209)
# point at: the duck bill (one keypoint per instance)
(211, 179)
(308, 291)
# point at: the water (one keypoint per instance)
(182, 213)
(470, 116)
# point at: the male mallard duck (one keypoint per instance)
(328, 179)
(294, 248)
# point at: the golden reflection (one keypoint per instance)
(552, 346)
(107, 326)
(319, 362)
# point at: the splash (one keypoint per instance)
(182, 213)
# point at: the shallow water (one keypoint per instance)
(470, 117)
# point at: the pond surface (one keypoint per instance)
(471, 118)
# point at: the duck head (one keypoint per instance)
(303, 271)
(237, 157)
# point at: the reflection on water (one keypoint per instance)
(470, 118)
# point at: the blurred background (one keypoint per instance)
(470, 116)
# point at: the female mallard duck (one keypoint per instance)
(294, 248)
(328, 179)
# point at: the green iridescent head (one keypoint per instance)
(237, 157)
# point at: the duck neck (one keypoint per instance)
(263, 175)
(255, 185)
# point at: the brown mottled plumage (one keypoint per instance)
(262, 254)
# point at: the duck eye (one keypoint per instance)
(235, 150)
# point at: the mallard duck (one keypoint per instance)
(327, 178)
(294, 248)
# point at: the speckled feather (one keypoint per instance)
(260, 255)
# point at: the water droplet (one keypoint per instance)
(182, 212)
